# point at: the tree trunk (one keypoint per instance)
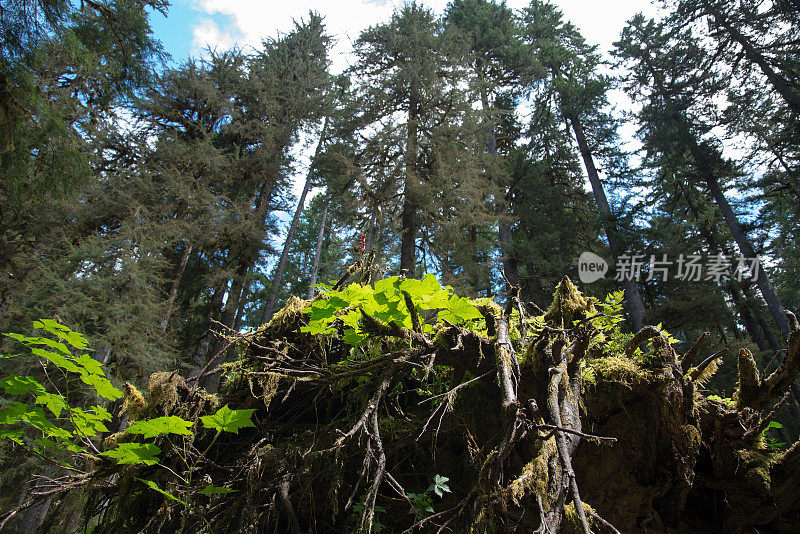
(764, 284)
(633, 298)
(237, 322)
(35, 515)
(211, 382)
(318, 251)
(505, 232)
(201, 352)
(287, 245)
(510, 264)
(408, 238)
(173, 291)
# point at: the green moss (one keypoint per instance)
(756, 467)
(286, 319)
(618, 369)
(133, 402)
(164, 391)
(568, 305)
(489, 304)
(535, 475)
(572, 523)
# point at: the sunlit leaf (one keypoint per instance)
(227, 420)
(160, 426)
(19, 385)
(134, 453)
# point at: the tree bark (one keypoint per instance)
(633, 299)
(173, 291)
(318, 251)
(505, 232)
(201, 352)
(408, 239)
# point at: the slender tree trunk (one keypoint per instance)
(211, 382)
(510, 264)
(237, 322)
(408, 239)
(767, 330)
(318, 251)
(781, 85)
(287, 245)
(505, 232)
(173, 291)
(633, 298)
(35, 515)
(764, 284)
(201, 352)
(733, 287)
(371, 231)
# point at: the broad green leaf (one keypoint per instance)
(160, 426)
(19, 385)
(90, 364)
(57, 359)
(351, 337)
(76, 339)
(134, 453)
(152, 485)
(214, 490)
(88, 424)
(37, 419)
(55, 403)
(13, 413)
(41, 341)
(227, 420)
(102, 385)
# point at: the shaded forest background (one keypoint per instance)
(149, 206)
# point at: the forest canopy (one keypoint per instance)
(435, 320)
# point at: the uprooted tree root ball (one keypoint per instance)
(507, 422)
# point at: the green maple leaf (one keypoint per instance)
(41, 341)
(160, 426)
(134, 453)
(91, 365)
(57, 359)
(101, 384)
(54, 403)
(19, 385)
(227, 420)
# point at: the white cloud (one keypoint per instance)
(207, 34)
